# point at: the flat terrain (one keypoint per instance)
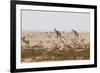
(45, 46)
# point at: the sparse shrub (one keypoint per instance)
(63, 48)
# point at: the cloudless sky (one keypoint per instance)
(47, 20)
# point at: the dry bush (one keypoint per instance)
(64, 48)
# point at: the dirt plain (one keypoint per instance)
(45, 46)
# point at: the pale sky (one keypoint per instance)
(40, 21)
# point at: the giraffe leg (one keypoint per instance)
(57, 35)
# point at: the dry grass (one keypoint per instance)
(44, 46)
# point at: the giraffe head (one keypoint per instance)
(55, 29)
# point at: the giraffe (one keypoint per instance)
(76, 38)
(57, 33)
(75, 33)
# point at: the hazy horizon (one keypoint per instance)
(46, 21)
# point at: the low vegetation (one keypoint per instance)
(63, 48)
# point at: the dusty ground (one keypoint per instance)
(36, 37)
(45, 46)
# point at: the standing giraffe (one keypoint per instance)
(75, 33)
(57, 33)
